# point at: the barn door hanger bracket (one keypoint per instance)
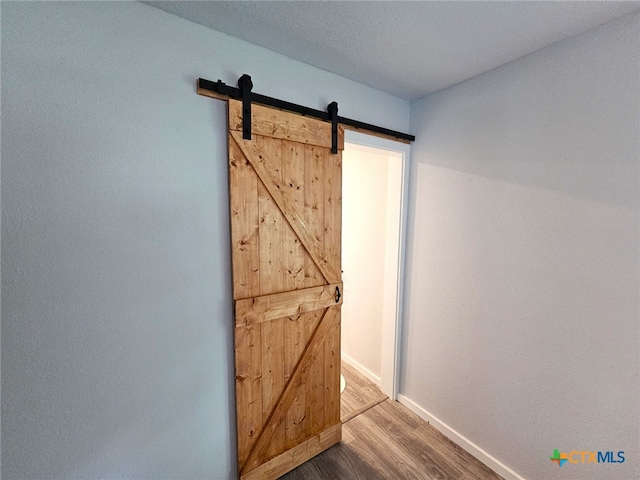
(332, 109)
(245, 93)
(245, 84)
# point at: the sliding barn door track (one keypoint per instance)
(244, 92)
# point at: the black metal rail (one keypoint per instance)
(245, 94)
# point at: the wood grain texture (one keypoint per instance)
(390, 446)
(286, 304)
(314, 391)
(285, 216)
(297, 332)
(294, 185)
(278, 124)
(297, 455)
(271, 254)
(257, 157)
(313, 212)
(208, 93)
(331, 365)
(270, 230)
(248, 357)
(300, 376)
(311, 134)
(243, 203)
(272, 367)
(332, 206)
(389, 441)
(296, 337)
(360, 394)
(314, 203)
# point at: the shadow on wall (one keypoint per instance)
(522, 294)
(568, 132)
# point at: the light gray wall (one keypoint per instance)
(522, 309)
(116, 321)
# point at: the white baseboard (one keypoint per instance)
(459, 439)
(363, 370)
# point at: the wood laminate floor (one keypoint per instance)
(388, 441)
(360, 394)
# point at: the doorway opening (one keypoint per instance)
(374, 186)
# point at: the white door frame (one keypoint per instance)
(391, 324)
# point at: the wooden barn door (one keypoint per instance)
(285, 202)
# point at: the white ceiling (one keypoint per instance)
(408, 49)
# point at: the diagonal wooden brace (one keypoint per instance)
(298, 378)
(256, 156)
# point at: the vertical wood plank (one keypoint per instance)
(333, 208)
(273, 378)
(243, 202)
(333, 250)
(270, 222)
(314, 400)
(293, 161)
(271, 281)
(248, 388)
(331, 366)
(296, 338)
(313, 207)
(296, 333)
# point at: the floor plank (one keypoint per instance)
(359, 395)
(392, 447)
(389, 441)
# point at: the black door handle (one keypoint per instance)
(337, 295)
